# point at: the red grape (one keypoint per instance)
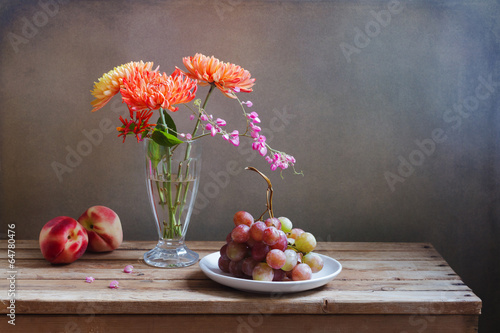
(301, 272)
(257, 231)
(273, 222)
(259, 251)
(279, 275)
(275, 258)
(240, 233)
(223, 250)
(243, 217)
(224, 264)
(247, 266)
(282, 243)
(271, 236)
(235, 269)
(236, 251)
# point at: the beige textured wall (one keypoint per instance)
(358, 88)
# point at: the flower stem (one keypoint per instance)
(212, 86)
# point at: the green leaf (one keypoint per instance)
(169, 121)
(163, 138)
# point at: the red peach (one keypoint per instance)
(63, 240)
(103, 227)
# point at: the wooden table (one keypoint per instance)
(383, 287)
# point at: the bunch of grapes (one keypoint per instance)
(270, 250)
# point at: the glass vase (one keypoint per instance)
(172, 178)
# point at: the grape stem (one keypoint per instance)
(269, 194)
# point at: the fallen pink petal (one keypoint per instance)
(128, 269)
(113, 284)
(89, 279)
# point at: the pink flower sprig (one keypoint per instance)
(277, 159)
(280, 160)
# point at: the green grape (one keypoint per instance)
(305, 242)
(291, 260)
(286, 224)
(262, 272)
(314, 261)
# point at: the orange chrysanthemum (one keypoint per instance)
(152, 90)
(111, 82)
(225, 76)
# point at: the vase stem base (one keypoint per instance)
(176, 257)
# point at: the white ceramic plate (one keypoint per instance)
(210, 266)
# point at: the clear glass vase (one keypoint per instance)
(172, 177)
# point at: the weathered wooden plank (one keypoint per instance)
(129, 300)
(193, 272)
(260, 322)
(34, 286)
(214, 245)
(113, 264)
(424, 254)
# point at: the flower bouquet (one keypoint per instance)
(173, 156)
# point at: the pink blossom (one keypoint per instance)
(220, 122)
(114, 284)
(213, 130)
(189, 136)
(235, 138)
(204, 117)
(236, 89)
(128, 269)
(191, 117)
(255, 128)
(260, 145)
(254, 116)
(89, 279)
(248, 103)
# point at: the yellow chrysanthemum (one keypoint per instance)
(111, 82)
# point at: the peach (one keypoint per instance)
(63, 240)
(103, 227)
